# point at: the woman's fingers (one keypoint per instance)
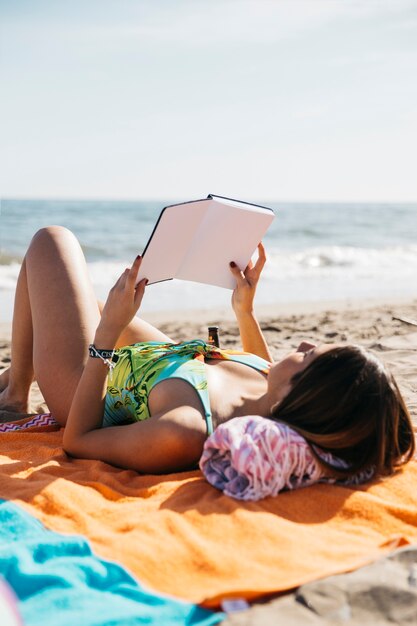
(127, 280)
(139, 288)
(252, 269)
(133, 273)
(120, 282)
(237, 273)
(261, 260)
(261, 251)
(139, 291)
(129, 276)
(261, 254)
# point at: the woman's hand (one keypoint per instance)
(122, 303)
(246, 283)
(251, 334)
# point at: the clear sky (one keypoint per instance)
(302, 100)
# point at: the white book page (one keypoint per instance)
(227, 233)
(171, 240)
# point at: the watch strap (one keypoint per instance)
(100, 354)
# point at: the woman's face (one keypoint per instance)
(281, 372)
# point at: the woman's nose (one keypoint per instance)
(305, 346)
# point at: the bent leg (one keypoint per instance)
(55, 317)
(15, 382)
(64, 314)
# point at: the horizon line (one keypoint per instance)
(178, 199)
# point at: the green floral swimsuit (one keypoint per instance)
(143, 365)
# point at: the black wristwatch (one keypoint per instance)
(101, 354)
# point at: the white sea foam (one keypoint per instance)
(338, 260)
(313, 274)
(8, 276)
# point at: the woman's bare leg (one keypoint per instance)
(64, 315)
(17, 380)
(138, 330)
(55, 318)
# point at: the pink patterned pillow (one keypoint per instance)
(253, 457)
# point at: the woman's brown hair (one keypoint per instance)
(347, 403)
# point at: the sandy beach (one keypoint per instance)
(383, 327)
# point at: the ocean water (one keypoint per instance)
(316, 252)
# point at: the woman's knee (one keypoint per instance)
(51, 233)
(52, 242)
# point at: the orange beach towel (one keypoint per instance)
(178, 535)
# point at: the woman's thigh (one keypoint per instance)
(138, 330)
(64, 314)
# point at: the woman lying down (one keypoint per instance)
(128, 395)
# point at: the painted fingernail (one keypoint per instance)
(232, 264)
(138, 257)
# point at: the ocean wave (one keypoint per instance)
(282, 264)
(338, 259)
(8, 275)
(311, 274)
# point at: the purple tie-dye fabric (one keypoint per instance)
(251, 457)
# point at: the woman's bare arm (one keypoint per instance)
(164, 443)
(253, 339)
(243, 296)
(87, 407)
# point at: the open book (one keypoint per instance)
(197, 240)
